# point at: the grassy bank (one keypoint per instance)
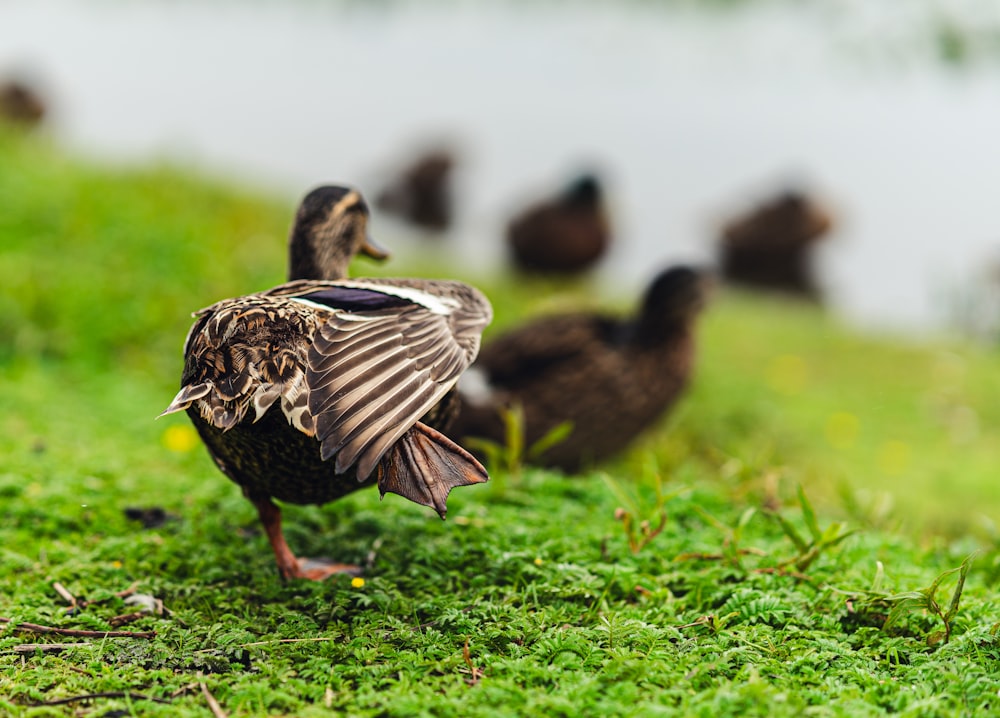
(537, 596)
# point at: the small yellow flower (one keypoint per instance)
(539, 561)
(116, 564)
(180, 438)
(357, 582)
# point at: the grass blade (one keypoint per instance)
(809, 515)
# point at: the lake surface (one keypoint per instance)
(691, 115)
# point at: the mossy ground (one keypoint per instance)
(528, 600)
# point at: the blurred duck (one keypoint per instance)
(563, 235)
(610, 377)
(422, 193)
(323, 385)
(20, 104)
(770, 248)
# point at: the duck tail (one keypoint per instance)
(425, 465)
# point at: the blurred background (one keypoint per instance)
(690, 111)
(178, 137)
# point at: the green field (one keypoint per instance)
(537, 596)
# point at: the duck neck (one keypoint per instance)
(317, 257)
(653, 331)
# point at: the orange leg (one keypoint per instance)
(288, 565)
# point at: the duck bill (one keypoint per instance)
(371, 248)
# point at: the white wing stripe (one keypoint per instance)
(437, 305)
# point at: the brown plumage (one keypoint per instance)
(564, 235)
(20, 104)
(320, 386)
(422, 193)
(610, 377)
(771, 247)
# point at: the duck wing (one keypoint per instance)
(354, 362)
(243, 355)
(387, 352)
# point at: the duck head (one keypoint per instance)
(584, 191)
(331, 226)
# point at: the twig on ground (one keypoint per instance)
(36, 628)
(127, 618)
(475, 673)
(65, 594)
(697, 556)
(75, 603)
(185, 689)
(107, 694)
(213, 704)
(128, 591)
(46, 647)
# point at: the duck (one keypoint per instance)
(323, 385)
(421, 194)
(563, 235)
(609, 377)
(20, 103)
(770, 247)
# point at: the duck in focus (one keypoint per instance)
(610, 377)
(566, 234)
(323, 385)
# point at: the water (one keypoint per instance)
(691, 114)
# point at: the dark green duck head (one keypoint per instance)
(584, 191)
(331, 226)
(671, 304)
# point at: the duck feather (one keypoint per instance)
(324, 348)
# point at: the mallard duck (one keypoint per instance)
(609, 377)
(322, 385)
(21, 104)
(566, 234)
(770, 248)
(422, 193)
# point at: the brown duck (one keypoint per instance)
(611, 378)
(563, 235)
(422, 193)
(20, 103)
(771, 246)
(320, 386)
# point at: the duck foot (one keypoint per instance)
(314, 569)
(318, 569)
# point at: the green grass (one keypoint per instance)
(746, 603)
